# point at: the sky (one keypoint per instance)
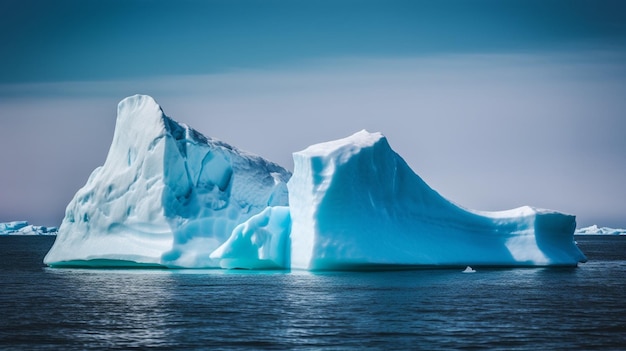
(495, 104)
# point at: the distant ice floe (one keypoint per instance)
(595, 230)
(23, 228)
(168, 196)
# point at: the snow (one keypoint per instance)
(24, 228)
(166, 195)
(595, 230)
(169, 196)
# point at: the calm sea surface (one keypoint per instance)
(581, 308)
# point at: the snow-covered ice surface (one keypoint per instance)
(168, 196)
(24, 228)
(595, 230)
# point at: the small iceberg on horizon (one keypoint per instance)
(25, 228)
(469, 269)
(596, 230)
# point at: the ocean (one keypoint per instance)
(582, 308)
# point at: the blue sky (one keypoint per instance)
(496, 104)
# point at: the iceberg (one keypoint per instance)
(356, 204)
(595, 230)
(24, 228)
(168, 196)
(469, 269)
(165, 196)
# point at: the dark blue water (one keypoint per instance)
(580, 308)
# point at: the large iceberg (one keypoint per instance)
(168, 196)
(356, 204)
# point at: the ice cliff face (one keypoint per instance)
(168, 196)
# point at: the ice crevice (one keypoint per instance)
(168, 196)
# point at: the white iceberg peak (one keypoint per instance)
(347, 145)
(166, 195)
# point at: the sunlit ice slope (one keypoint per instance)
(165, 196)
